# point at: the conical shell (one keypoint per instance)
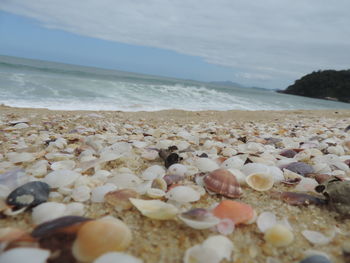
(223, 182)
(260, 181)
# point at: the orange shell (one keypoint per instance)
(222, 181)
(239, 213)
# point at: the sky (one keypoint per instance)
(268, 43)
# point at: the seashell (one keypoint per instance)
(260, 181)
(61, 224)
(289, 153)
(63, 165)
(294, 198)
(74, 209)
(38, 169)
(125, 180)
(223, 246)
(81, 193)
(155, 209)
(120, 198)
(315, 259)
(159, 183)
(47, 211)
(279, 236)
(113, 257)
(276, 173)
(57, 156)
(238, 212)
(150, 155)
(61, 178)
(99, 192)
(183, 194)
(13, 178)
(223, 182)
(140, 144)
(251, 168)
(316, 238)
(9, 234)
(98, 237)
(25, 254)
(234, 162)
(172, 178)
(312, 252)
(322, 168)
(155, 193)
(206, 165)
(239, 176)
(228, 152)
(199, 218)
(21, 157)
(153, 172)
(266, 220)
(177, 169)
(300, 168)
(225, 227)
(306, 185)
(29, 195)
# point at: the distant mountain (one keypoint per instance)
(228, 83)
(327, 84)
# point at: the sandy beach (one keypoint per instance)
(220, 135)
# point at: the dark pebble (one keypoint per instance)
(315, 259)
(300, 168)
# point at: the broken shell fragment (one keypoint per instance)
(238, 212)
(279, 236)
(183, 194)
(155, 209)
(98, 237)
(199, 218)
(120, 198)
(29, 195)
(316, 238)
(223, 182)
(260, 181)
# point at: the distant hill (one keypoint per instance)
(228, 83)
(327, 84)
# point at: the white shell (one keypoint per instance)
(25, 255)
(197, 254)
(20, 157)
(183, 194)
(206, 165)
(155, 209)
(99, 192)
(239, 176)
(125, 180)
(81, 193)
(63, 165)
(315, 237)
(260, 181)
(155, 193)
(74, 209)
(208, 222)
(266, 220)
(177, 169)
(306, 185)
(250, 168)
(113, 257)
(47, 211)
(38, 169)
(223, 246)
(153, 172)
(150, 155)
(234, 162)
(61, 178)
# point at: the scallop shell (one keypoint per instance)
(183, 194)
(199, 218)
(25, 254)
(98, 237)
(155, 209)
(260, 181)
(113, 257)
(223, 182)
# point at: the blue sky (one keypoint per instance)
(266, 44)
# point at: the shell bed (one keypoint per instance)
(174, 186)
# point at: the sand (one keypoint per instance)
(167, 241)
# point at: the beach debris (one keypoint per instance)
(337, 193)
(316, 238)
(155, 209)
(238, 212)
(315, 259)
(222, 181)
(294, 198)
(120, 257)
(119, 199)
(300, 168)
(28, 195)
(279, 235)
(97, 237)
(260, 181)
(183, 194)
(212, 250)
(25, 254)
(199, 218)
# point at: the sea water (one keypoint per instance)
(41, 84)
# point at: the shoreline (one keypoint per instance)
(239, 131)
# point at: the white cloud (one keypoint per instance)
(271, 39)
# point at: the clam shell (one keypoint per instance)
(316, 238)
(206, 165)
(238, 212)
(99, 192)
(81, 193)
(177, 169)
(266, 220)
(260, 181)
(125, 180)
(199, 218)
(25, 254)
(98, 237)
(155, 193)
(20, 157)
(47, 211)
(251, 168)
(223, 246)
(113, 257)
(234, 162)
(223, 182)
(63, 165)
(183, 194)
(300, 168)
(153, 172)
(155, 209)
(61, 178)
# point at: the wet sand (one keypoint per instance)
(167, 241)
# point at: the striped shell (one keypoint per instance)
(222, 181)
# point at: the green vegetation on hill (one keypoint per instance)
(327, 84)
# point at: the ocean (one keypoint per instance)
(57, 86)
